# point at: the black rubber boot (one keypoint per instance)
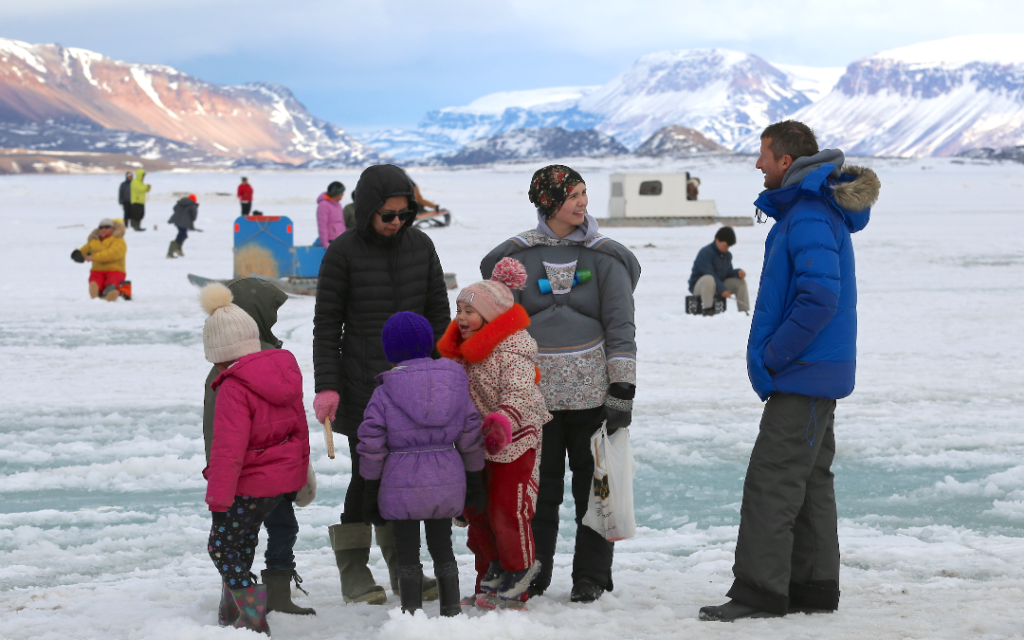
(733, 610)
(585, 591)
(279, 592)
(386, 541)
(410, 579)
(447, 576)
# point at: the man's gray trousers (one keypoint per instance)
(787, 553)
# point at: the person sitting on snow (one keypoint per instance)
(713, 274)
(106, 250)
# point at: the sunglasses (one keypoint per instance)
(106, 226)
(404, 216)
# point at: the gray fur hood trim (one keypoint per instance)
(858, 194)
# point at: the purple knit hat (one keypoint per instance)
(407, 336)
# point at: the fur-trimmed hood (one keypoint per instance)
(852, 191)
(118, 232)
(484, 342)
(858, 193)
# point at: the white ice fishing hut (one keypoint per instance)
(657, 199)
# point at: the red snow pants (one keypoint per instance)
(105, 278)
(504, 531)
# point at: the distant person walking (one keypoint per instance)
(124, 196)
(184, 217)
(330, 218)
(801, 357)
(245, 195)
(138, 197)
(713, 274)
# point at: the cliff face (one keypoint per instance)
(50, 84)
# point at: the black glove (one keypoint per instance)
(219, 517)
(77, 256)
(617, 410)
(371, 510)
(476, 496)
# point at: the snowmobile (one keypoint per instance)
(265, 248)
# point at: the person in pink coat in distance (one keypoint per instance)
(260, 449)
(330, 217)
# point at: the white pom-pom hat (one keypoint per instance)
(493, 297)
(229, 332)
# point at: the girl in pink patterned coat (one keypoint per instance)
(489, 338)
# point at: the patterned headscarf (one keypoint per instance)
(550, 187)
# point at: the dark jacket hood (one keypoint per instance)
(375, 186)
(424, 389)
(272, 375)
(851, 191)
(261, 300)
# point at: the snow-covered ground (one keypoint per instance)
(102, 519)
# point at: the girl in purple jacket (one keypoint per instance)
(421, 453)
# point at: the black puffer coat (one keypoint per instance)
(365, 278)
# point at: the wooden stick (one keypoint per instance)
(329, 438)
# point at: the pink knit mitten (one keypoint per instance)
(325, 405)
(497, 433)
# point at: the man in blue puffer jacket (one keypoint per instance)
(801, 357)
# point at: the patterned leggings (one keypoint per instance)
(234, 536)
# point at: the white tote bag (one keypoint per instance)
(610, 511)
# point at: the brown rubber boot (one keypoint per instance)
(279, 592)
(351, 544)
(94, 290)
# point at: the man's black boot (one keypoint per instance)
(734, 610)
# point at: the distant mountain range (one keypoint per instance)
(723, 94)
(944, 97)
(933, 98)
(64, 99)
(543, 142)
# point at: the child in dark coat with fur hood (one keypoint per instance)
(488, 337)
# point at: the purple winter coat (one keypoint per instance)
(330, 219)
(419, 436)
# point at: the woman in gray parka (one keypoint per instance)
(579, 295)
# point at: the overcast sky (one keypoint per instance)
(381, 63)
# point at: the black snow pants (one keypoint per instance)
(570, 432)
(353, 509)
(787, 553)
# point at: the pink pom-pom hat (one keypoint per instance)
(493, 297)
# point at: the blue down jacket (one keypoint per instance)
(805, 319)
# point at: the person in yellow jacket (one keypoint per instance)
(138, 198)
(106, 250)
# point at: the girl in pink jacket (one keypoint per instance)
(260, 449)
(330, 217)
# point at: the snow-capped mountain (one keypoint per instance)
(544, 142)
(447, 130)
(58, 91)
(677, 142)
(933, 98)
(723, 94)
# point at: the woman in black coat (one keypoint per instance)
(379, 267)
